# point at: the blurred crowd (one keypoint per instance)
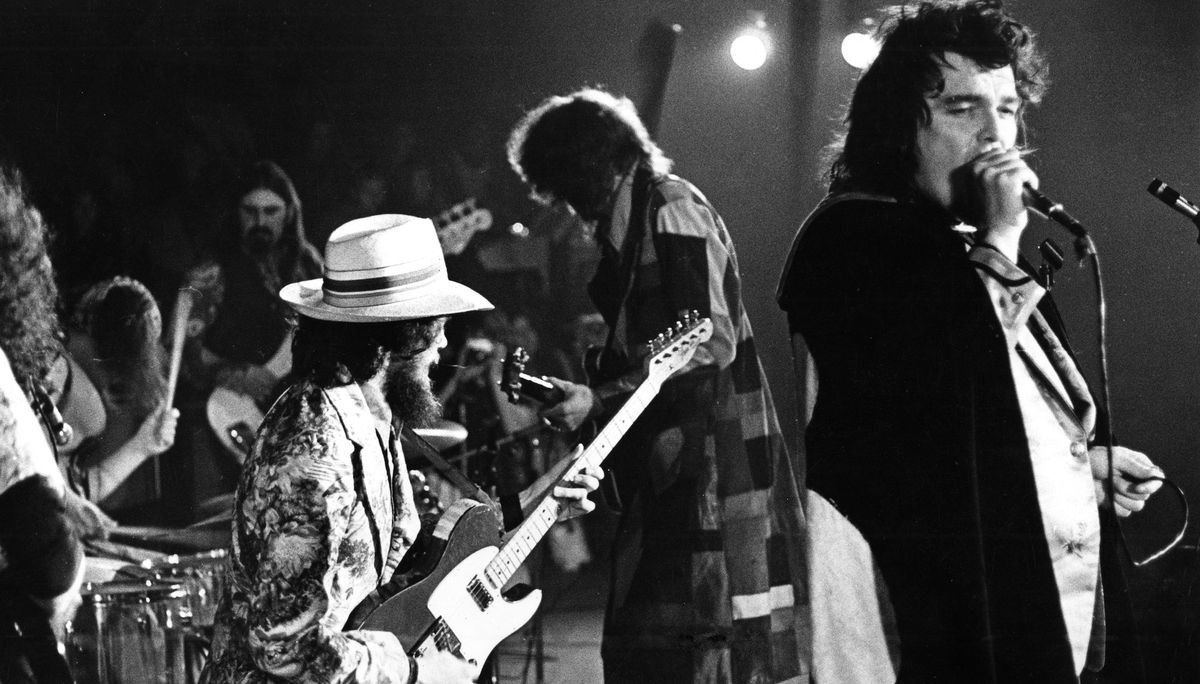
(185, 240)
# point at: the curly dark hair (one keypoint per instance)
(123, 321)
(878, 152)
(29, 328)
(335, 353)
(296, 258)
(570, 147)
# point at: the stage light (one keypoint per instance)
(859, 50)
(750, 48)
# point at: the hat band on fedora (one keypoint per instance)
(378, 290)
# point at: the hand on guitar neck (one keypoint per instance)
(458, 604)
(566, 405)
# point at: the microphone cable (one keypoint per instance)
(1087, 249)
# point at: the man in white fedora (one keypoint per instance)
(325, 510)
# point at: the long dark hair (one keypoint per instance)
(335, 353)
(295, 258)
(570, 147)
(29, 328)
(878, 152)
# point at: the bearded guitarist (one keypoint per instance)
(240, 324)
(705, 477)
(325, 509)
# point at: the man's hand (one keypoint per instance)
(157, 432)
(578, 404)
(998, 187)
(440, 667)
(1130, 470)
(88, 520)
(572, 493)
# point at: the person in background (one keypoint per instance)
(238, 347)
(115, 338)
(40, 552)
(952, 429)
(708, 562)
(325, 509)
(242, 323)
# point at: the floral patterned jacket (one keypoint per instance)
(322, 519)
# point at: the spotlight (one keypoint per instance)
(859, 50)
(750, 48)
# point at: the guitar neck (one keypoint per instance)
(543, 517)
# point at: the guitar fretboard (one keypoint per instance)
(539, 522)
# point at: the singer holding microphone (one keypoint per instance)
(951, 440)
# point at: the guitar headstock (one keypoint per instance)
(456, 225)
(510, 375)
(517, 385)
(675, 346)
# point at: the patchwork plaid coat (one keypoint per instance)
(708, 565)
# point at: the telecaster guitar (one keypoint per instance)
(234, 417)
(458, 606)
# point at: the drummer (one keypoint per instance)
(115, 339)
(324, 511)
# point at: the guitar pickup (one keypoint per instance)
(482, 597)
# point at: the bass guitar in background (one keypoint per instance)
(458, 224)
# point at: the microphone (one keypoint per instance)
(60, 431)
(1173, 199)
(1052, 210)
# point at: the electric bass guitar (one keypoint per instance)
(457, 605)
(456, 225)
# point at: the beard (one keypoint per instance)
(409, 395)
(258, 241)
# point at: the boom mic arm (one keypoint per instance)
(1171, 197)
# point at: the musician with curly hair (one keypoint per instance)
(708, 566)
(40, 553)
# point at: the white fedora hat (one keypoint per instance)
(383, 268)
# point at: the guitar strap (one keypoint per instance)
(631, 249)
(462, 482)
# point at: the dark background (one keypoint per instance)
(155, 102)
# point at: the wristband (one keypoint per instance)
(412, 670)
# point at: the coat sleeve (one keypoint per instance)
(302, 554)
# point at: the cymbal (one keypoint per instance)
(221, 503)
(443, 434)
(171, 540)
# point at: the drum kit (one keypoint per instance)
(149, 597)
(150, 621)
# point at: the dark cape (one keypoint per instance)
(917, 438)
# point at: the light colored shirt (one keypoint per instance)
(24, 451)
(1059, 420)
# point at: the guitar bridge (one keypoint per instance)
(444, 639)
(482, 597)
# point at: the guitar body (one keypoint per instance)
(456, 605)
(440, 605)
(234, 417)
